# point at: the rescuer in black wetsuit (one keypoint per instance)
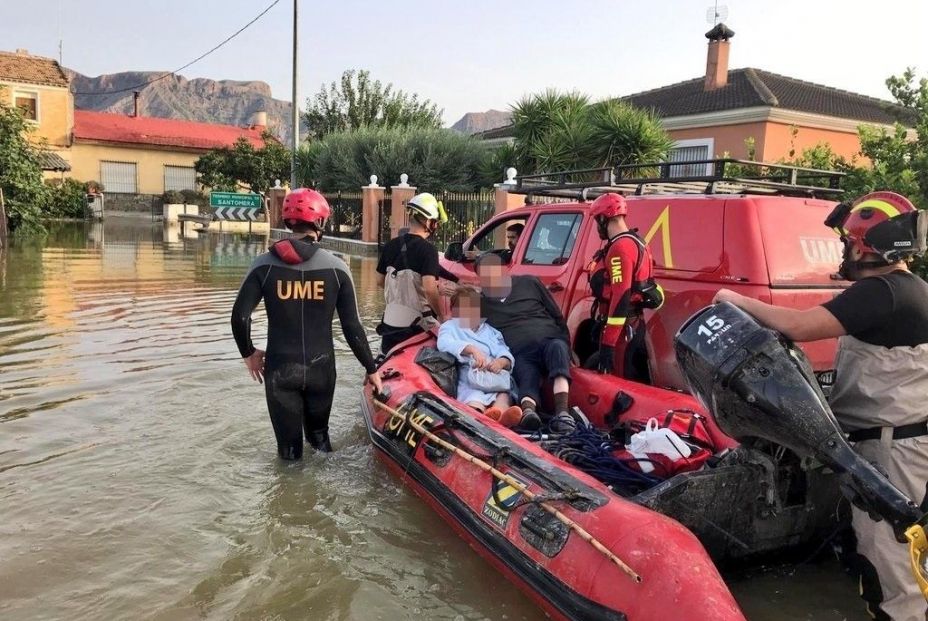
(302, 286)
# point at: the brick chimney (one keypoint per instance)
(717, 58)
(135, 104)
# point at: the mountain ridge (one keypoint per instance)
(229, 102)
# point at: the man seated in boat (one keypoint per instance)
(532, 325)
(486, 361)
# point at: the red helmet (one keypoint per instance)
(856, 222)
(609, 206)
(305, 205)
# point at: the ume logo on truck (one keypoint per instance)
(821, 250)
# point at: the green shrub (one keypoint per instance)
(66, 199)
(434, 159)
(193, 197)
(172, 197)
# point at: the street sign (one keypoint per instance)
(235, 206)
(238, 214)
(235, 199)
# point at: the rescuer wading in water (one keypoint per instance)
(302, 286)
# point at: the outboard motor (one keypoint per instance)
(758, 385)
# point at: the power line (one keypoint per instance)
(195, 60)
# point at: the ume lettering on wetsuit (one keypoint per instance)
(622, 275)
(302, 287)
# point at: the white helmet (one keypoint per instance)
(428, 207)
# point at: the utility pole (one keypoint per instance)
(296, 108)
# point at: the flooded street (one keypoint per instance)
(139, 477)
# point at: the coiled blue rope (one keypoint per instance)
(590, 450)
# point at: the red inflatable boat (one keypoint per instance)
(581, 550)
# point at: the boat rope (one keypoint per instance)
(592, 451)
(515, 484)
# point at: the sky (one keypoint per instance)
(470, 56)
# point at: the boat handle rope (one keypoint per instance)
(515, 484)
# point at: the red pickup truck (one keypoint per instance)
(755, 228)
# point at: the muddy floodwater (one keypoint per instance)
(138, 472)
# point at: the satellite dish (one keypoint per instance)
(716, 13)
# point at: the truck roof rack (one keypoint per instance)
(713, 176)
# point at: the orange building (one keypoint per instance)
(725, 111)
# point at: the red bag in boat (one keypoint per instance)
(665, 467)
(689, 425)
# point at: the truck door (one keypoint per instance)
(547, 253)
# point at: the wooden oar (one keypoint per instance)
(502, 476)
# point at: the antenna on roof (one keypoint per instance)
(60, 38)
(716, 13)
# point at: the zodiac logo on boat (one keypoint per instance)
(498, 505)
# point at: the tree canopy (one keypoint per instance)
(244, 166)
(357, 101)
(24, 192)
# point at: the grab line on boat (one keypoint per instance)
(502, 476)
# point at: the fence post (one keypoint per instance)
(399, 195)
(275, 202)
(504, 199)
(371, 196)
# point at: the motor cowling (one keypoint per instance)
(759, 385)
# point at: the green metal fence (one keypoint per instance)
(466, 213)
(347, 211)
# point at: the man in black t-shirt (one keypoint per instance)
(881, 374)
(408, 270)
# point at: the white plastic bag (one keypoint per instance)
(656, 440)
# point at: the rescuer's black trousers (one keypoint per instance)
(299, 400)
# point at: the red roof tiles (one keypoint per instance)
(146, 130)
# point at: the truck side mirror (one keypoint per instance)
(455, 252)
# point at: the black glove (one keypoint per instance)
(606, 358)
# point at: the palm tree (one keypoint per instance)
(557, 131)
(623, 134)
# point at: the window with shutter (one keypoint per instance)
(180, 178)
(119, 177)
(688, 151)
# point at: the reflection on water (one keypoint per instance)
(138, 474)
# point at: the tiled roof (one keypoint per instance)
(748, 88)
(145, 130)
(16, 67)
(49, 160)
